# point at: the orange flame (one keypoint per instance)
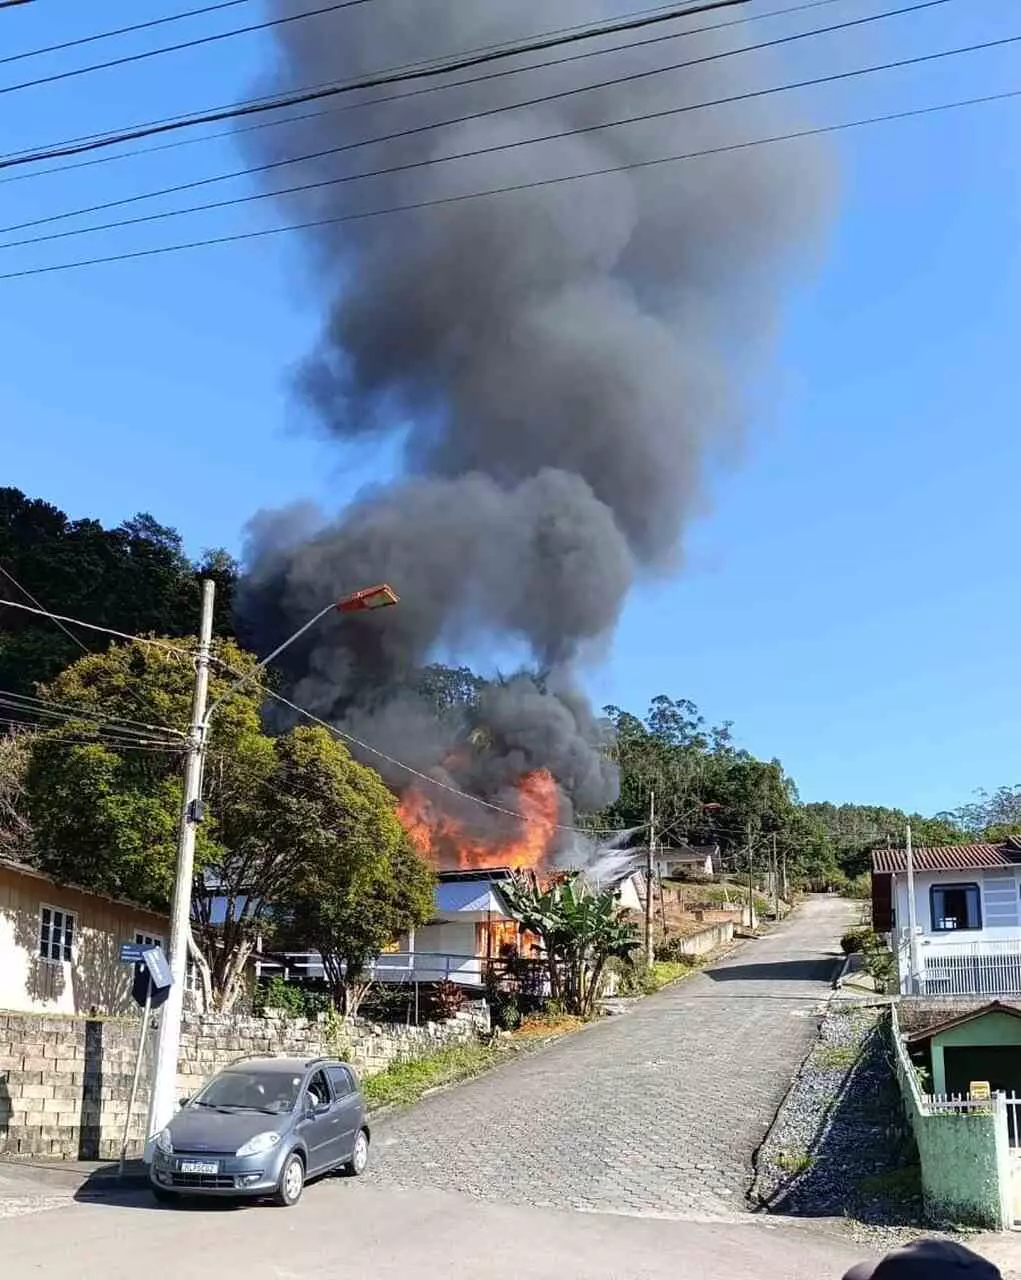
(441, 838)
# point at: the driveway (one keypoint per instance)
(657, 1112)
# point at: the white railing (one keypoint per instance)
(952, 968)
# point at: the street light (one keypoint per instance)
(168, 1043)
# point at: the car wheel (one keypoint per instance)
(292, 1181)
(161, 1195)
(356, 1166)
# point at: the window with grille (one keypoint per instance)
(148, 940)
(56, 933)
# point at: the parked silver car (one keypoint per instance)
(263, 1127)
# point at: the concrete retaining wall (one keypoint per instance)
(707, 939)
(65, 1082)
(964, 1157)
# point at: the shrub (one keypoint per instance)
(854, 941)
(506, 1012)
(289, 998)
(442, 1000)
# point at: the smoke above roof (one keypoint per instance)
(563, 367)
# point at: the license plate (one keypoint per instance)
(199, 1166)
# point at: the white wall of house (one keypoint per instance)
(947, 958)
(81, 966)
(999, 893)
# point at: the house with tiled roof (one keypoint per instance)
(953, 915)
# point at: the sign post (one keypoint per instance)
(152, 984)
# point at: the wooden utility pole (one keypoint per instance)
(751, 882)
(650, 863)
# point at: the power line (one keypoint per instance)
(67, 711)
(177, 48)
(412, 93)
(42, 609)
(443, 201)
(120, 31)
(372, 82)
(448, 123)
(82, 738)
(90, 626)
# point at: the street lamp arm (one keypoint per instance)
(263, 663)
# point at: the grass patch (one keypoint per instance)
(836, 1057)
(794, 1162)
(663, 972)
(405, 1082)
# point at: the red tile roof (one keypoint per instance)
(950, 857)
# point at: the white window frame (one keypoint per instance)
(47, 956)
(147, 939)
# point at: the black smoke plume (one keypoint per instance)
(563, 366)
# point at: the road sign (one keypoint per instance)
(158, 966)
(132, 952)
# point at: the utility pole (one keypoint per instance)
(912, 914)
(650, 863)
(751, 883)
(776, 884)
(162, 1103)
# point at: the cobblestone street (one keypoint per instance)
(656, 1112)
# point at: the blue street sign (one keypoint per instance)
(158, 966)
(132, 952)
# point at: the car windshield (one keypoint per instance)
(251, 1090)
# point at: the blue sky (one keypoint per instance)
(851, 600)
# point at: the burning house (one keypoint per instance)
(557, 362)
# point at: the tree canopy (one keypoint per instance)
(283, 812)
(134, 578)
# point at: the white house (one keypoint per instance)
(967, 907)
(689, 859)
(471, 928)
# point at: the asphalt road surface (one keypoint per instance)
(646, 1122)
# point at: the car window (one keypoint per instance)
(341, 1080)
(319, 1088)
(251, 1090)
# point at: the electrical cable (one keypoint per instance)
(371, 82)
(414, 93)
(66, 713)
(120, 31)
(185, 44)
(443, 201)
(449, 123)
(91, 626)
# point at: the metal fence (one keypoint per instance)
(964, 969)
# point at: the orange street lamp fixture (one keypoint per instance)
(380, 597)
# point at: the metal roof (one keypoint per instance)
(949, 857)
(469, 896)
(994, 1006)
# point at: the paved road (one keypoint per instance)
(343, 1228)
(657, 1112)
(653, 1115)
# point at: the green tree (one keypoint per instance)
(360, 884)
(105, 813)
(134, 578)
(15, 832)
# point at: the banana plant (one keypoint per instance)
(581, 929)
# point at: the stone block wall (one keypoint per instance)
(65, 1082)
(710, 938)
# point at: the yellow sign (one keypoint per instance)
(979, 1089)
